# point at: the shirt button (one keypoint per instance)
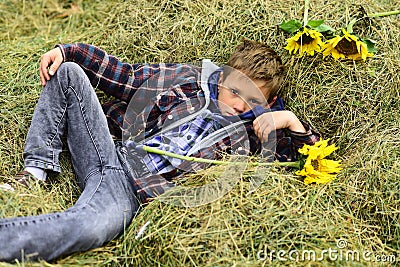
(170, 117)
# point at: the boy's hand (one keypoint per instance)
(270, 121)
(49, 64)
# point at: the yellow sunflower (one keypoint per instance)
(346, 46)
(316, 168)
(305, 41)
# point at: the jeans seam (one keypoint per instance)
(97, 188)
(49, 217)
(51, 139)
(100, 180)
(82, 109)
(57, 127)
(57, 131)
(42, 164)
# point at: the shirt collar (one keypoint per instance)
(213, 83)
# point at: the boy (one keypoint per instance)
(188, 110)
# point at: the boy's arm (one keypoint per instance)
(291, 133)
(289, 142)
(282, 119)
(105, 72)
(298, 139)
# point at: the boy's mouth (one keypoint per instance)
(227, 113)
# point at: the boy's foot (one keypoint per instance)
(26, 179)
(6, 187)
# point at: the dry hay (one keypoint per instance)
(354, 103)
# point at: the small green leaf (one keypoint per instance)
(319, 25)
(350, 26)
(324, 28)
(291, 26)
(370, 45)
(315, 23)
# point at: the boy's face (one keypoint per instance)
(238, 93)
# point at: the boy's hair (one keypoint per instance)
(257, 61)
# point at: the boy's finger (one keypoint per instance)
(42, 79)
(256, 128)
(44, 63)
(265, 132)
(54, 67)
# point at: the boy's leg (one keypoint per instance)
(105, 209)
(68, 96)
(108, 200)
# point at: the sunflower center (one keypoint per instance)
(315, 164)
(305, 39)
(347, 47)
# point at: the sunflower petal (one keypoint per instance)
(316, 168)
(307, 41)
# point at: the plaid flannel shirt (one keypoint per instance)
(175, 92)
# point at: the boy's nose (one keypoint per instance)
(240, 106)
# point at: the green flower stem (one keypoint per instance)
(384, 14)
(294, 164)
(373, 15)
(305, 18)
(350, 25)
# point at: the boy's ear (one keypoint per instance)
(221, 77)
(271, 102)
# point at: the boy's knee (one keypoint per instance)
(71, 71)
(70, 66)
(103, 227)
(71, 75)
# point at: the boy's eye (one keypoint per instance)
(255, 102)
(235, 92)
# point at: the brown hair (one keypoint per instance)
(257, 61)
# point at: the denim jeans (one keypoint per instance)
(108, 201)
